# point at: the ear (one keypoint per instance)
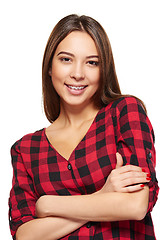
(50, 72)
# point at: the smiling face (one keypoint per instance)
(75, 69)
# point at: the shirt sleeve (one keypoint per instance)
(135, 141)
(22, 198)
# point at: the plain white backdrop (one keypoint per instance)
(133, 29)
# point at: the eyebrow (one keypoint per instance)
(72, 55)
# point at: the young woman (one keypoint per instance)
(91, 173)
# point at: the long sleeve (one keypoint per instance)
(135, 140)
(22, 197)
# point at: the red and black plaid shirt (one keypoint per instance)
(39, 169)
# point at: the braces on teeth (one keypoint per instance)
(76, 88)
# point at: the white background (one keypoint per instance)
(133, 28)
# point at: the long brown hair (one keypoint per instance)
(109, 89)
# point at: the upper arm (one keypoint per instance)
(22, 198)
(135, 141)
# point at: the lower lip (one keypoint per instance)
(75, 91)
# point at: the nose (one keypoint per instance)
(77, 72)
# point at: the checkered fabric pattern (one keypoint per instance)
(39, 169)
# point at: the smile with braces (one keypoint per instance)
(76, 88)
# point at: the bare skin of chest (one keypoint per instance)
(65, 140)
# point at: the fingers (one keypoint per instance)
(129, 184)
(129, 168)
(134, 188)
(119, 160)
(128, 178)
(137, 175)
(132, 179)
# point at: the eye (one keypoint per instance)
(65, 59)
(93, 63)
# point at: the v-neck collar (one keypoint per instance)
(78, 145)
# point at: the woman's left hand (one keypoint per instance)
(128, 178)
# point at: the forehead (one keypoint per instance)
(78, 43)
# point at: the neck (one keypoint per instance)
(75, 116)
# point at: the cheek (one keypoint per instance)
(57, 76)
(95, 78)
(59, 73)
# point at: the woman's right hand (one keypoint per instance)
(128, 178)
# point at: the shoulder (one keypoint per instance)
(128, 109)
(129, 102)
(126, 105)
(28, 140)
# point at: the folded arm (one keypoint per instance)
(61, 215)
(111, 206)
(48, 228)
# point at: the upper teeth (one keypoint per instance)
(76, 88)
